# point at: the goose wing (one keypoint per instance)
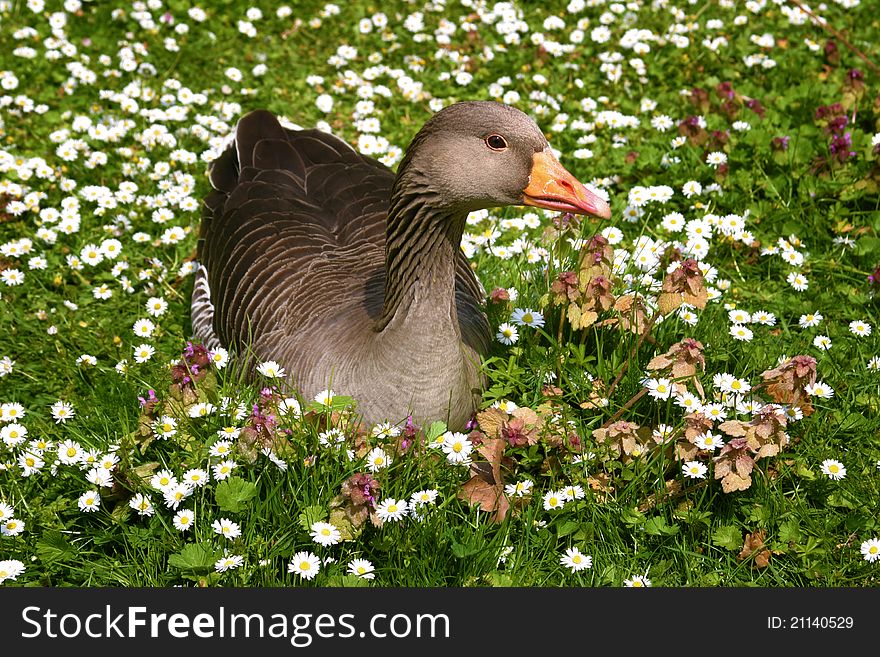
(294, 233)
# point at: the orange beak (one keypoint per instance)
(554, 188)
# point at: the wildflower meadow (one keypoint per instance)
(687, 394)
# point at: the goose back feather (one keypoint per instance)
(293, 253)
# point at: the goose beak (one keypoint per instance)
(554, 188)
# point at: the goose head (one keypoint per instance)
(481, 154)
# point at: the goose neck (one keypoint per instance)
(421, 246)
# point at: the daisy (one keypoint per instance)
(62, 411)
(11, 527)
(384, 430)
(69, 452)
(10, 569)
(325, 397)
(870, 550)
(860, 329)
(196, 477)
(874, 364)
(13, 434)
(575, 560)
(183, 520)
(553, 500)
(142, 504)
(527, 317)
(637, 581)
(822, 342)
(289, 406)
(798, 281)
(741, 333)
(810, 319)
(694, 470)
(271, 369)
(714, 412)
(165, 427)
(423, 497)
(391, 509)
(519, 489)
(709, 441)
(820, 389)
(362, 568)
(223, 469)
(89, 501)
(202, 409)
(763, 317)
(659, 388)
(223, 447)
(304, 564)
(377, 459)
(739, 386)
(6, 511)
(835, 470)
(688, 401)
(324, 533)
(219, 357)
(143, 328)
(230, 562)
(100, 477)
(716, 159)
(11, 411)
(573, 492)
(227, 528)
(143, 353)
(457, 447)
(156, 306)
(176, 494)
(737, 316)
(163, 479)
(507, 334)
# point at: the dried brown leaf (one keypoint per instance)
(733, 482)
(753, 545)
(491, 420)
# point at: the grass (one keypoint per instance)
(804, 528)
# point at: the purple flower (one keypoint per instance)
(840, 147)
(780, 143)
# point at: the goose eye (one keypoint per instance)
(496, 142)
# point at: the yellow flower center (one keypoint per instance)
(305, 565)
(392, 508)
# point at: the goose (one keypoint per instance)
(352, 278)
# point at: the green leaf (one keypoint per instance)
(310, 515)
(632, 518)
(194, 558)
(566, 528)
(54, 546)
(841, 500)
(436, 429)
(347, 581)
(462, 551)
(657, 527)
(789, 532)
(728, 537)
(233, 493)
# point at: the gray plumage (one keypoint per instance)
(353, 278)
